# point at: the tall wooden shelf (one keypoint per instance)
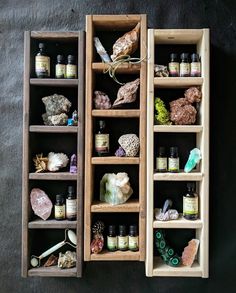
(34, 132)
(172, 37)
(109, 28)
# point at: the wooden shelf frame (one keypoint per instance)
(30, 37)
(199, 37)
(122, 23)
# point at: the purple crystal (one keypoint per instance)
(120, 152)
(73, 164)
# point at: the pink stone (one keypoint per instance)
(41, 203)
(190, 252)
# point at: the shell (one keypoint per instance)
(130, 144)
(57, 161)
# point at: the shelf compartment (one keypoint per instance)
(53, 129)
(160, 269)
(53, 176)
(178, 128)
(116, 256)
(177, 82)
(131, 206)
(181, 223)
(54, 82)
(123, 68)
(115, 160)
(116, 113)
(53, 271)
(52, 224)
(181, 176)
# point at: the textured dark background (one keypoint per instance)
(19, 15)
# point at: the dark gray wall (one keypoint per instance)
(19, 15)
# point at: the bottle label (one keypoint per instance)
(42, 65)
(60, 71)
(60, 212)
(123, 242)
(133, 242)
(102, 143)
(112, 243)
(173, 164)
(161, 164)
(71, 208)
(190, 205)
(71, 71)
(174, 68)
(184, 69)
(195, 69)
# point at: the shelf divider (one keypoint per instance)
(181, 176)
(53, 129)
(116, 256)
(124, 113)
(52, 224)
(53, 271)
(115, 160)
(180, 223)
(131, 206)
(178, 128)
(54, 82)
(53, 176)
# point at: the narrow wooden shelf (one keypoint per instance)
(177, 82)
(53, 271)
(115, 160)
(131, 206)
(53, 129)
(52, 224)
(116, 256)
(123, 68)
(181, 176)
(53, 176)
(178, 128)
(54, 35)
(116, 113)
(177, 36)
(163, 270)
(181, 223)
(54, 82)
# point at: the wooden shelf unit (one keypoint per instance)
(33, 87)
(115, 26)
(199, 37)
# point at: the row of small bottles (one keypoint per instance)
(185, 68)
(123, 241)
(66, 210)
(170, 165)
(42, 65)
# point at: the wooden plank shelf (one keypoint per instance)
(52, 224)
(132, 113)
(178, 128)
(54, 82)
(115, 160)
(181, 176)
(177, 82)
(116, 256)
(131, 206)
(53, 129)
(54, 35)
(180, 223)
(162, 270)
(53, 176)
(177, 36)
(123, 68)
(53, 271)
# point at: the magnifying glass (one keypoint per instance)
(70, 239)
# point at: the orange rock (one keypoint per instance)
(190, 252)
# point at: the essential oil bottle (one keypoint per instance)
(123, 240)
(60, 67)
(133, 238)
(190, 203)
(71, 204)
(173, 160)
(102, 140)
(42, 62)
(60, 208)
(71, 68)
(161, 160)
(112, 242)
(195, 66)
(184, 65)
(173, 65)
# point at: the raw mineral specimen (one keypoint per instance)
(98, 239)
(73, 164)
(56, 161)
(127, 44)
(56, 104)
(161, 71)
(52, 261)
(101, 100)
(163, 116)
(101, 50)
(41, 203)
(67, 260)
(127, 93)
(130, 144)
(120, 152)
(190, 252)
(40, 163)
(193, 159)
(171, 214)
(193, 95)
(115, 188)
(60, 119)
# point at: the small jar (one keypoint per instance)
(133, 238)
(184, 65)
(190, 203)
(71, 67)
(161, 160)
(173, 160)
(112, 238)
(60, 208)
(174, 65)
(123, 240)
(195, 66)
(60, 67)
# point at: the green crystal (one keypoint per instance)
(193, 159)
(163, 116)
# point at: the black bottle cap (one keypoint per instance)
(102, 123)
(112, 229)
(161, 151)
(42, 46)
(122, 229)
(59, 197)
(60, 58)
(133, 229)
(191, 186)
(184, 56)
(173, 57)
(71, 189)
(71, 58)
(195, 57)
(174, 151)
